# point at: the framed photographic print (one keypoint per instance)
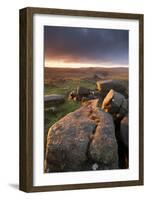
(81, 99)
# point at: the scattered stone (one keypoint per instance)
(54, 99)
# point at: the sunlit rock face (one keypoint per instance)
(116, 104)
(82, 140)
(106, 85)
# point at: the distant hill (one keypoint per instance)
(91, 73)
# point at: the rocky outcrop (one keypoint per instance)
(82, 140)
(105, 86)
(116, 104)
(79, 93)
(83, 93)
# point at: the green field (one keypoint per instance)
(67, 86)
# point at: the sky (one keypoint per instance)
(85, 47)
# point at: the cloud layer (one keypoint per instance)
(86, 45)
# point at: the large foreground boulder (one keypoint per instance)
(105, 86)
(116, 104)
(82, 140)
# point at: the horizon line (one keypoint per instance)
(86, 67)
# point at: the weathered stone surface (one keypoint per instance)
(116, 104)
(105, 86)
(124, 131)
(82, 139)
(54, 99)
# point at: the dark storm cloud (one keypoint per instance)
(86, 45)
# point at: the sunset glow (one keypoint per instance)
(69, 64)
(56, 64)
